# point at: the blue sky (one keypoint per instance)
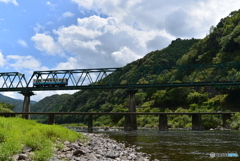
(75, 34)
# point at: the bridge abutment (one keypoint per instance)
(26, 102)
(131, 120)
(197, 122)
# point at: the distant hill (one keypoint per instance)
(16, 102)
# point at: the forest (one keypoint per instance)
(221, 45)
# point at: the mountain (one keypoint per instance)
(108, 100)
(221, 45)
(16, 102)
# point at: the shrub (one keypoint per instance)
(235, 121)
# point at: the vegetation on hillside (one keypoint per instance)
(16, 103)
(113, 100)
(5, 107)
(220, 46)
(17, 133)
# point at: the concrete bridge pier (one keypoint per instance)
(51, 119)
(26, 103)
(131, 120)
(163, 123)
(197, 122)
(90, 123)
(226, 117)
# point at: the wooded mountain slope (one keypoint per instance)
(108, 100)
(220, 46)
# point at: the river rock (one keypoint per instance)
(79, 152)
(22, 157)
(99, 148)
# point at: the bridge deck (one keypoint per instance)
(117, 113)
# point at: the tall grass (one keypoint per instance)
(16, 133)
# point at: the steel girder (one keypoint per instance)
(12, 80)
(227, 74)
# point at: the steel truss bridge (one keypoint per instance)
(227, 74)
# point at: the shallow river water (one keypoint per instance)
(185, 145)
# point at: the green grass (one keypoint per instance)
(16, 133)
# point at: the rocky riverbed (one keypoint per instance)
(99, 147)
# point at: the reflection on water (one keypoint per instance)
(182, 145)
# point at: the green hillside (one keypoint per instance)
(112, 100)
(220, 46)
(18, 104)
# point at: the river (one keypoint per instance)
(183, 145)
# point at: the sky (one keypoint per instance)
(81, 34)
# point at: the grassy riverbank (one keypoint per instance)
(17, 133)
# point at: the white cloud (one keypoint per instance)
(67, 14)
(2, 60)
(42, 94)
(124, 56)
(72, 63)
(46, 44)
(185, 19)
(22, 43)
(38, 27)
(23, 62)
(10, 1)
(86, 4)
(93, 40)
(133, 29)
(14, 95)
(50, 4)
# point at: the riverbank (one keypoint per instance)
(99, 148)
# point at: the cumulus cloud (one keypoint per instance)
(10, 1)
(125, 55)
(130, 29)
(22, 43)
(72, 63)
(67, 14)
(102, 42)
(47, 44)
(23, 62)
(193, 18)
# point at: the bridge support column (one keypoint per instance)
(131, 120)
(163, 125)
(197, 122)
(225, 118)
(51, 119)
(90, 124)
(26, 103)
